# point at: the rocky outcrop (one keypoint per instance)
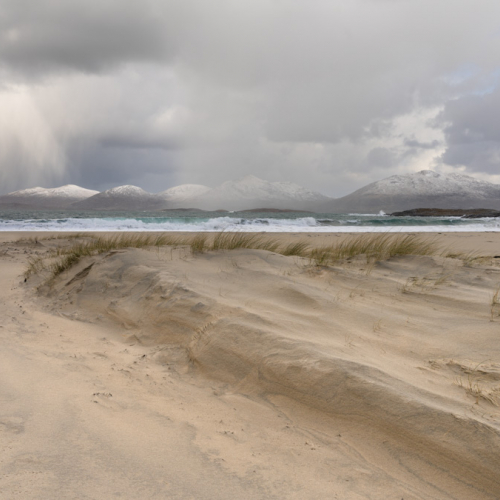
(472, 213)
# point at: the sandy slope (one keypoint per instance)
(245, 374)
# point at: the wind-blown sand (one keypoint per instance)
(247, 374)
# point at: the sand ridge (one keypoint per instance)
(288, 380)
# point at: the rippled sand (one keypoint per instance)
(247, 374)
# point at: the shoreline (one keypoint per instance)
(247, 222)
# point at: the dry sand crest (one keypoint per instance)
(156, 373)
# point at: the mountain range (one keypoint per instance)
(426, 188)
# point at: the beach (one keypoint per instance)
(162, 373)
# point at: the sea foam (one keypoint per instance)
(321, 223)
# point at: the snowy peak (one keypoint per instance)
(183, 192)
(428, 182)
(248, 182)
(38, 197)
(72, 191)
(122, 198)
(252, 192)
(126, 190)
(36, 191)
(67, 191)
(424, 189)
(252, 187)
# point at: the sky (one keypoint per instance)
(329, 94)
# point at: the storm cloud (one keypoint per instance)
(331, 95)
(472, 132)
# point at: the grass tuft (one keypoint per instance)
(374, 247)
(65, 263)
(199, 243)
(68, 257)
(35, 265)
(468, 258)
(475, 390)
(300, 248)
(234, 241)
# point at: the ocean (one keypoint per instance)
(194, 220)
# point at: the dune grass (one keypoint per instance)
(233, 241)
(199, 243)
(35, 265)
(300, 248)
(468, 258)
(66, 257)
(373, 246)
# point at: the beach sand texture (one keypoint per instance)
(159, 373)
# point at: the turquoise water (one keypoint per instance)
(193, 220)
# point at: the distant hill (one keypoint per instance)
(424, 189)
(38, 197)
(178, 195)
(122, 198)
(247, 193)
(251, 192)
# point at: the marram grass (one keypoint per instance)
(233, 241)
(373, 246)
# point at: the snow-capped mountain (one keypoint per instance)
(252, 192)
(121, 198)
(424, 189)
(60, 197)
(67, 191)
(179, 194)
(428, 183)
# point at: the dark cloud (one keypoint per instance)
(101, 168)
(483, 157)
(472, 132)
(413, 143)
(309, 91)
(43, 36)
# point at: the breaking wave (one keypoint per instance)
(212, 222)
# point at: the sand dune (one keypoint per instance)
(158, 373)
